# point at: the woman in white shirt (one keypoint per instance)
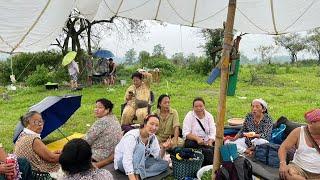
(138, 154)
(199, 130)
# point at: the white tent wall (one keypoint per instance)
(29, 25)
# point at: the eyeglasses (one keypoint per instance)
(38, 123)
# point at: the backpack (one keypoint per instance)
(268, 154)
(240, 169)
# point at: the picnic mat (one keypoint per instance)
(58, 145)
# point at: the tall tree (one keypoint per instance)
(294, 43)
(130, 56)
(213, 45)
(143, 58)
(265, 53)
(178, 59)
(313, 42)
(78, 28)
(158, 51)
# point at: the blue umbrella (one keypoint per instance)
(55, 110)
(103, 54)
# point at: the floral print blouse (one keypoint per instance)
(264, 128)
(103, 136)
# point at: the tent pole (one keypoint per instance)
(225, 59)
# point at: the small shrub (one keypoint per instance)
(166, 67)
(39, 77)
(270, 69)
(58, 75)
(201, 66)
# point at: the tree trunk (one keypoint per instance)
(89, 38)
(292, 58)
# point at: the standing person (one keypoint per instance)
(138, 154)
(73, 70)
(169, 121)
(112, 72)
(199, 130)
(104, 134)
(137, 99)
(75, 161)
(256, 128)
(89, 68)
(306, 160)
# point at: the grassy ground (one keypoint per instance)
(289, 91)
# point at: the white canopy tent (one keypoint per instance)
(30, 25)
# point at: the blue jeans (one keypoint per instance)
(145, 166)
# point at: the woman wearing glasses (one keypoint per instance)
(138, 154)
(30, 146)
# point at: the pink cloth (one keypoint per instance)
(313, 115)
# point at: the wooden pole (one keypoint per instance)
(225, 59)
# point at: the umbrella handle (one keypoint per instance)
(63, 134)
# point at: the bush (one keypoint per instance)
(166, 67)
(4, 72)
(58, 75)
(201, 66)
(39, 77)
(25, 63)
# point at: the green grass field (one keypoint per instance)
(289, 91)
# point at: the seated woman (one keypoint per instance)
(137, 99)
(75, 161)
(256, 129)
(199, 130)
(169, 122)
(104, 134)
(8, 170)
(138, 154)
(30, 146)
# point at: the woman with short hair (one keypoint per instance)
(137, 99)
(104, 134)
(256, 129)
(30, 146)
(199, 130)
(76, 163)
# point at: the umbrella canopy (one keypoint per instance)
(55, 111)
(103, 54)
(68, 58)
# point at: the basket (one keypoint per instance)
(186, 168)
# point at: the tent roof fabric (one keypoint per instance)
(30, 25)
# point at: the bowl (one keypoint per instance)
(202, 170)
(235, 121)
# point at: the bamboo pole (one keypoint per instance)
(225, 59)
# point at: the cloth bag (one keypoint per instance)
(229, 152)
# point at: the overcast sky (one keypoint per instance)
(177, 38)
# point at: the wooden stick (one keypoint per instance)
(225, 59)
